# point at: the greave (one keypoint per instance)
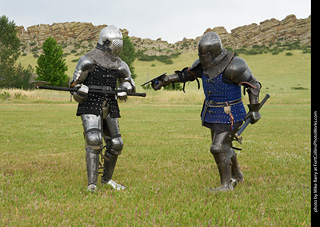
(235, 170)
(92, 160)
(109, 165)
(224, 167)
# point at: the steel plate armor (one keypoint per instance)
(222, 75)
(101, 69)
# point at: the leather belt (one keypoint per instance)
(221, 104)
(226, 105)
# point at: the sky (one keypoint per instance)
(171, 20)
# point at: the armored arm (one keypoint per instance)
(126, 81)
(186, 74)
(84, 66)
(165, 80)
(239, 72)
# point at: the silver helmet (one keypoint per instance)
(110, 39)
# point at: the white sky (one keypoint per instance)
(171, 20)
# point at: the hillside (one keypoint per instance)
(77, 37)
(166, 163)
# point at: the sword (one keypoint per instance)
(40, 85)
(238, 136)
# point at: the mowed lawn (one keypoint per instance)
(166, 164)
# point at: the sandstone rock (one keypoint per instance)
(267, 32)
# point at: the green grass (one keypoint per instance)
(166, 163)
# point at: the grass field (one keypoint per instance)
(166, 163)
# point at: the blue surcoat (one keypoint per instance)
(219, 98)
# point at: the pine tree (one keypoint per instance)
(51, 65)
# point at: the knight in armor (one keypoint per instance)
(101, 69)
(223, 112)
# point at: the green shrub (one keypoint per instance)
(5, 95)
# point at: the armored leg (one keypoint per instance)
(92, 160)
(222, 143)
(114, 147)
(108, 167)
(93, 136)
(222, 153)
(237, 175)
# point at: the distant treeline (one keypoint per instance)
(162, 58)
(274, 48)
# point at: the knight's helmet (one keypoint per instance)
(110, 39)
(210, 48)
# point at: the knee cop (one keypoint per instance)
(221, 146)
(115, 144)
(216, 149)
(93, 138)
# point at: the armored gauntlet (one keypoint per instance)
(165, 80)
(81, 94)
(253, 113)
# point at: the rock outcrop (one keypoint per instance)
(269, 31)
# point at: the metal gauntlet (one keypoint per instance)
(165, 80)
(254, 113)
(253, 91)
(81, 94)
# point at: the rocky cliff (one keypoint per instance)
(269, 31)
(77, 35)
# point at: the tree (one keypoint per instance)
(22, 77)
(10, 75)
(128, 54)
(51, 65)
(9, 51)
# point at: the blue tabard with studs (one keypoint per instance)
(223, 102)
